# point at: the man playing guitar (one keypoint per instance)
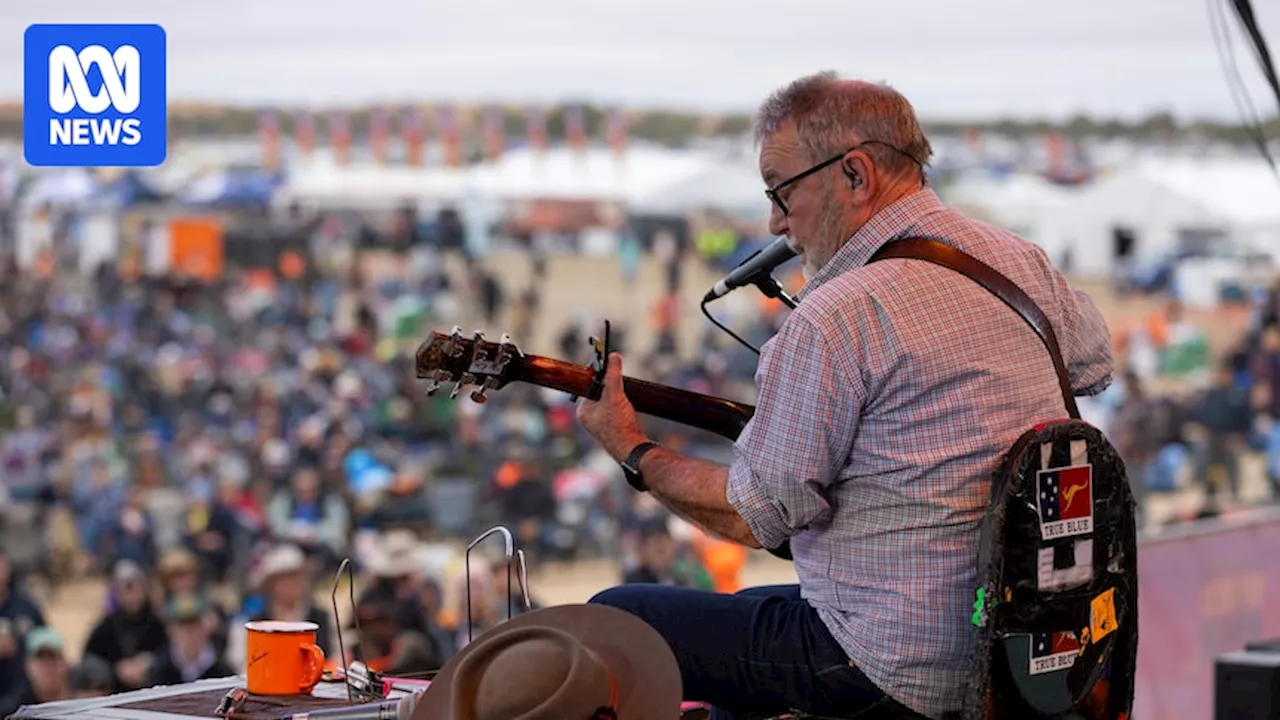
(885, 403)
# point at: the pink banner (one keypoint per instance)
(304, 132)
(379, 135)
(411, 129)
(269, 133)
(575, 128)
(1203, 591)
(536, 128)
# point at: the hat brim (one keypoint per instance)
(645, 670)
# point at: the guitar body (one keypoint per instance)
(492, 365)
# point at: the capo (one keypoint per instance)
(596, 388)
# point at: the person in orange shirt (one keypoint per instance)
(723, 561)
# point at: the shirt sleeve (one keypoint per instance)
(1088, 348)
(792, 450)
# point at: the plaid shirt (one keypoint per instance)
(886, 401)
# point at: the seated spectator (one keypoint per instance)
(130, 536)
(45, 676)
(19, 615)
(211, 528)
(388, 647)
(284, 583)
(310, 517)
(659, 561)
(529, 507)
(96, 498)
(131, 633)
(91, 678)
(179, 573)
(190, 654)
(396, 564)
(431, 601)
(1226, 415)
(378, 620)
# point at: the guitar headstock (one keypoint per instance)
(464, 361)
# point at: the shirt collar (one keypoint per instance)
(892, 222)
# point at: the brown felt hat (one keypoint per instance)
(569, 662)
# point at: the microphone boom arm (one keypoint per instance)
(771, 288)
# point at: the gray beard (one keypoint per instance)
(829, 239)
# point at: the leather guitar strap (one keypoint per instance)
(1002, 287)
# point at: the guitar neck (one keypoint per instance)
(722, 417)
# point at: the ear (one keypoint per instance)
(858, 168)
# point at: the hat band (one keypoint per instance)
(610, 711)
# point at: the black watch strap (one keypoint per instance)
(631, 466)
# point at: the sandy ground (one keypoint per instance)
(77, 607)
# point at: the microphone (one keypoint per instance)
(754, 268)
(400, 709)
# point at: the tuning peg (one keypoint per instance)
(455, 339)
(441, 377)
(479, 336)
(465, 380)
(479, 395)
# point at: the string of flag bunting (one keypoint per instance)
(449, 135)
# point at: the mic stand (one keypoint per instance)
(770, 288)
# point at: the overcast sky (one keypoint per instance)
(953, 58)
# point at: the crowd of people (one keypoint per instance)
(1186, 421)
(215, 450)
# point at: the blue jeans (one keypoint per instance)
(763, 651)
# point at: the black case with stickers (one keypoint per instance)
(1057, 616)
(1056, 609)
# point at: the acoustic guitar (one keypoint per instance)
(488, 366)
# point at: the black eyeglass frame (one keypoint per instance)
(778, 202)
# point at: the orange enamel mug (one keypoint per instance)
(282, 657)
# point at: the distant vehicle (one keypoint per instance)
(1158, 276)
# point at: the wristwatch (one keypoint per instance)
(631, 466)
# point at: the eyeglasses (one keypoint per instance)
(776, 199)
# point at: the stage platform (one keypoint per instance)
(191, 701)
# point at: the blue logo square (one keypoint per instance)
(94, 95)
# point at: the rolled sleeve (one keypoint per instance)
(793, 450)
(1082, 331)
(1089, 360)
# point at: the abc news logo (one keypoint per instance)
(69, 90)
(95, 95)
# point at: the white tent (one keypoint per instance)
(1017, 202)
(60, 187)
(594, 174)
(372, 187)
(559, 174)
(1168, 205)
(730, 185)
